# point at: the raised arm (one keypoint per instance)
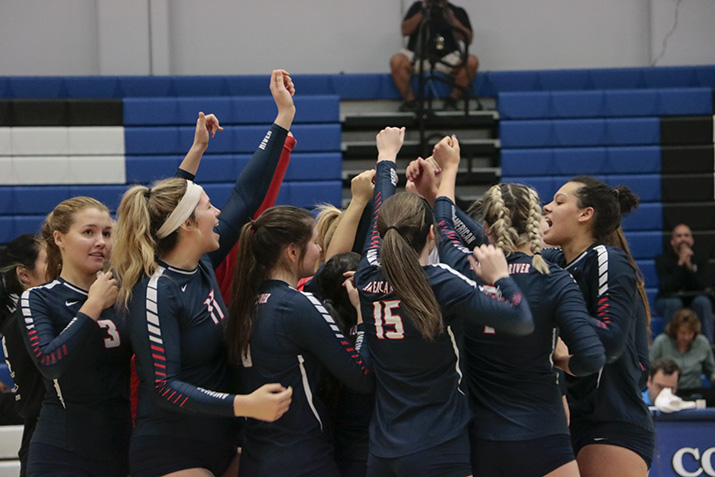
(252, 184)
(344, 236)
(206, 126)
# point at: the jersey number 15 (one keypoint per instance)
(388, 324)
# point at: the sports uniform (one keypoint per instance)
(294, 341)
(420, 418)
(513, 388)
(85, 420)
(607, 407)
(29, 385)
(176, 323)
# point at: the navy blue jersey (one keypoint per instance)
(177, 323)
(294, 341)
(86, 368)
(608, 283)
(513, 386)
(418, 401)
(29, 386)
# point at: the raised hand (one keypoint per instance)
(267, 403)
(389, 143)
(206, 126)
(362, 186)
(282, 89)
(446, 153)
(423, 178)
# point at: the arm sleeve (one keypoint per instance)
(314, 329)
(574, 322)
(52, 352)
(224, 272)
(164, 354)
(249, 191)
(615, 307)
(452, 250)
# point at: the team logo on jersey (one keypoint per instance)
(214, 308)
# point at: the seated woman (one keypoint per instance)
(683, 343)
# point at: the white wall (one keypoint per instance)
(88, 37)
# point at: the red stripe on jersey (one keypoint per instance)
(171, 396)
(184, 401)
(157, 356)
(157, 348)
(177, 398)
(159, 365)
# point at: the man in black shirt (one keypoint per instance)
(444, 26)
(684, 279)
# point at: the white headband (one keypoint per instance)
(183, 210)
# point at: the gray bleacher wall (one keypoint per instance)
(189, 37)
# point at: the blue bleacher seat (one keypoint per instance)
(36, 87)
(632, 131)
(647, 268)
(308, 194)
(153, 140)
(92, 87)
(315, 166)
(524, 105)
(631, 102)
(200, 85)
(645, 245)
(649, 216)
(560, 80)
(44, 198)
(146, 169)
(109, 195)
(150, 111)
(577, 104)
(7, 228)
(6, 200)
(616, 78)
(683, 102)
(146, 86)
(647, 186)
(27, 224)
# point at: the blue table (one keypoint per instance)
(685, 443)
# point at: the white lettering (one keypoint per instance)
(706, 464)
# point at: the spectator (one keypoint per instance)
(663, 373)
(683, 343)
(683, 278)
(446, 25)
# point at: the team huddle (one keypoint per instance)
(406, 338)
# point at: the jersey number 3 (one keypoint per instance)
(113, 340)
(388, 324)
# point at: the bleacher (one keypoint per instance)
(648, 128)
(637, 127)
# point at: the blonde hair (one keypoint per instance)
(404, 223)
(140, 215)
(327, 220)
(513, 212)
(60, 220)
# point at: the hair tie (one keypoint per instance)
(617, 193)
(537, 253)
(394, 228)
(147, 193)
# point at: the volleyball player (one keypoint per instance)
(23, 265)
(78, 343)
(519, 425)
(611, 428)
(176, 314)
(410, 311)
(280, 334)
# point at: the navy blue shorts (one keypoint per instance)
(527, 458)
(49, 461)
(621, 434)
(450, 459)
(151, 456)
